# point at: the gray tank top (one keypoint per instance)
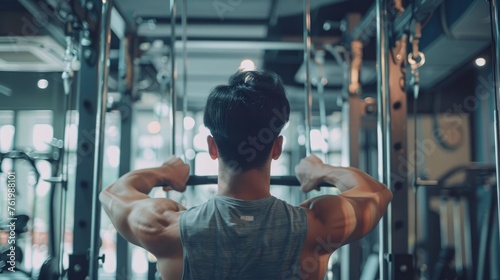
(228, 238)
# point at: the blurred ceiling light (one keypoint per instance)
(144, 46)
(190, 154)
(301, 140)
(161, 110)
(480, 61)
(42, 84)
(247, 65)
(113, 155)
(157, 44)
(188, 123)
(154, 127)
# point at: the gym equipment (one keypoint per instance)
(414, 86)
(308, 85)
(173, 95)
(195, 180)
(53, 267)
(395, 260)
(319, 59)
(184, 69)
(382, 125)
(495, 34)
(31, 157)
(456, 257)
(103, 69)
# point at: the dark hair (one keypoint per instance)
(246, 116)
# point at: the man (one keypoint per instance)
(244, 232)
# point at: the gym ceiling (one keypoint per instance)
(221, 33)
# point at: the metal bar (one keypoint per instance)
(469, 263)
(241, 45)
(495, 30)
(308, 86)
(484, 231)
(382, 127)
(397, 168)
(352, 112)
(367, 27)
(67, 120)
(443, 222)
(195, 180)
(320, 87)
(273, 14)
(184, 70)
(173, 96)
(457, 235)
(36, 11)
(86, 104)
(118, 24)
(103, 69)
(123, 256)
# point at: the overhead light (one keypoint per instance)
(144, 46)
(157, 44)
(190, 154)
(161, 109)
(154, 127)
(301, 140)
(480, 61)
(247, 65)
(188, 123)
(42, 84)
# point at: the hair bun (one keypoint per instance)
(242, 78)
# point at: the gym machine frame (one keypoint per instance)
(125, 78)
(394, 258)
(495, 32)
(91, 105)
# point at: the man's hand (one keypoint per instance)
(310, 172)
(178, 174)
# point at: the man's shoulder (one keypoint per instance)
(291, 206)
(195, 209)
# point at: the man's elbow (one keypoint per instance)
(385, 197)
(105, 198)
(388, 195)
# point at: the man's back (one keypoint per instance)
(327, 221)
(228, 238)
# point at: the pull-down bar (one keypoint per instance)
(290, 180)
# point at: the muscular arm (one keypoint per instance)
(352, 214)
(142, 220)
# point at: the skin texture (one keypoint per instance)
(333, 220)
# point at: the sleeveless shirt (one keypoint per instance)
(228, 238)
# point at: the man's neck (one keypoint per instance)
(249, 185)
